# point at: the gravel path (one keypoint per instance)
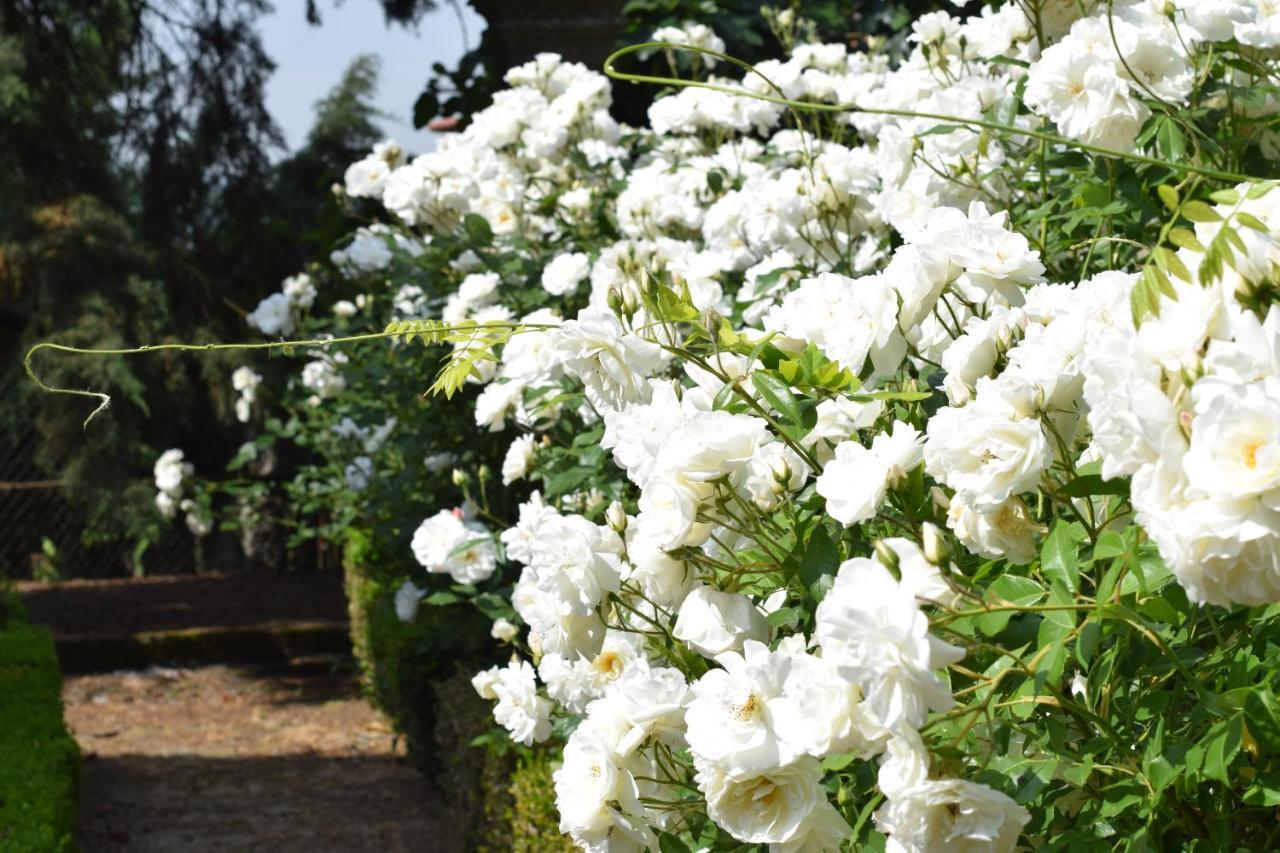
(225, 758)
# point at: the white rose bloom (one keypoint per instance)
(484, 682)
(731, 719)
(669, 512)
(170, 470)
(662, 579)
(848, 319)
(575, 682)
(520, 710)
(407, 599)
(1134, 422)
(1235, 444)
(945, 815)
(358, 473)
(300, 290)
(518, 540)
(872, 630)
(917, 575)
(322, 379)
(918, 274)
(515, 465)
(712, 622)
(166, 504)
(504, 630)
(273, 316)
(345, 309)
(565, 273)
(446, 544)
(1007, 531)
(856, 481)
(1083, 94)
(554, 628)
(821, 713)
(771, 806)
(709, 445)
(598, 797)
(642, 702)
(245, 380)
(611, 362)
(576, 562)
(986, 451)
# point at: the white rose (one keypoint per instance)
(407, 599)
(565, 273)
(1235, 444)
(504, 630)
(712, 622)
(986, 451)
(773, 806)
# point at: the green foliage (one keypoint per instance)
(534, 818)
(39, 774)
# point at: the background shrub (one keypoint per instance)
(39, 761)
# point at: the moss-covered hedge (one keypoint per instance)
(420, 675)
(39, 761)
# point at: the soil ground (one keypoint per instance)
(287, 759)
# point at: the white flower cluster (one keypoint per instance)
(171, 472)
(245, 381)
(277, 314)
(837, 294)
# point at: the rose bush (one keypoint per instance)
(874, 453)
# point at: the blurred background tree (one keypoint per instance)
(143, 199)
(146, 196)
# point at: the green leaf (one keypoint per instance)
(839, 761)
(1227, 196)
(1087, 641)
(778, 395)
(1219, 747)
(477, 228)
(1248, 220)
(899, 396)
(1171, 144)
(1008, 589)
(820, 557)
(1090, 485)
(784, 617)
(1168, 195)
(1198, 211)
(1184, 238)
(1262, 715)
(1059, 555)
(668, 843)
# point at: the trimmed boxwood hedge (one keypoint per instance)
(39, 761)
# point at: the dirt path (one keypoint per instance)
(283, 759)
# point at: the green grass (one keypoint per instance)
(39, 761)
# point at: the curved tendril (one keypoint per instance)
(104, 400)
(814, 106)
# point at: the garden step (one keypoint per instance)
(272, 642)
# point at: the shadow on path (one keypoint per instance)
(226, 758)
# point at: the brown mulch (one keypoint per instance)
(179, 602)
(284, 759)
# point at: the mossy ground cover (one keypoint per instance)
(39, 761)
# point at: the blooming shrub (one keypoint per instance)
(906, 436)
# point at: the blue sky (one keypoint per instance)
(310, 60)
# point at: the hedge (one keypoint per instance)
(39, 760)
(420, 675)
